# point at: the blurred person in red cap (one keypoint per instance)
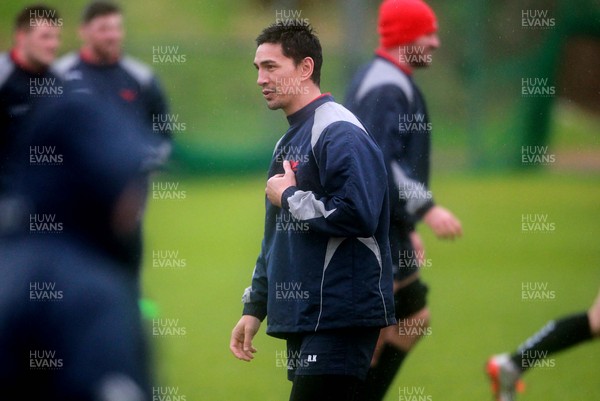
(384, 96)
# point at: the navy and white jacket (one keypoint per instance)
(325, 261)
(21, 91)
(393, 110)
(129, 84)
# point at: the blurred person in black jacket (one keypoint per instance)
(70, 325)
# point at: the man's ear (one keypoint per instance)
(307, 66)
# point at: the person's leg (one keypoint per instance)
(594, 317)
(395, 342)
(505, 370)
(324, 388)
(555, 336)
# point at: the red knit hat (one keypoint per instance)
(402, 21)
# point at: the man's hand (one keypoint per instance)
(418, 248)
(443, 223)
(279, 183)
(241, 338)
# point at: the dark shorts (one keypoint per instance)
(410, 299)
(332, 352)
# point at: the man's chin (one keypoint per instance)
(44, 62)
(110, 56)
(274, 105)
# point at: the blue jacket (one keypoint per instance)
(325, 261)
(131, 86)
(392, 108)
(21, 93)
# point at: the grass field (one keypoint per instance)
(477, 305)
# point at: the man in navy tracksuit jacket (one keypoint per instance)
(101, 68)
(323, 276)
(70, 325)
(25, 79)
(384, 96)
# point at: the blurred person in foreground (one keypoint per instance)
(70, 325)
(25, 78)
(505, 370)
(326, 227)
(101, 68)
(384, 96)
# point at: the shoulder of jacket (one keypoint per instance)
(64, 64)
(137, 69)
(329, 113)
(382, 73)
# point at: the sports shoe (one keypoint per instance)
(505, 377)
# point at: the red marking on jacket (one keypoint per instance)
(128, 95)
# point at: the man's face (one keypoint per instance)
(104, 36)
(278, 77)
(418, 54)
(39, 44)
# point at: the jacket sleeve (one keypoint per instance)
(255, 297)
(353, 180)
(156, 104)
(161, 147)
(380, 111)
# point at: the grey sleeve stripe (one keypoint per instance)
(383, 73)
(332, 245)
(141, 72)
(415, 193)
(64, 64)
(246, 297)
(304, 206)
(329, 113)
(6, 67)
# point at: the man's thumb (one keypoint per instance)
(287, 167)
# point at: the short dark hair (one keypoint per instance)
(297, 41)
(99, 9)
(36, 11)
